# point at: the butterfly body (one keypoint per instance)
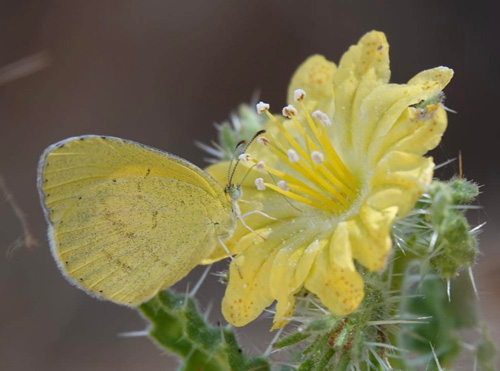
(126, 220)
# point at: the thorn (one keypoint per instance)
(477, 228)
(274, 340)
(200, 282)
(436, 358)
(207, 311)
(473, 281)
(447, 162)
(432, 243)
(134, 334)
(448, 289)
(460, 168)
(449, 109)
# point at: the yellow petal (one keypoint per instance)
(283, 284)
(290, 268)
(405, 171)
(419, 133)
(307, 260)
(429, 78)
(362, 68)
(386, 196)
(333, 277)
(315, 76)
(378, 222)
(248, 294)
(369, 234)
(383, 109)
(370, 252)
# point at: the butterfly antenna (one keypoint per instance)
(260, 132)
(248, 172)
(229, 174)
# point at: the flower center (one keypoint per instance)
(318, 177)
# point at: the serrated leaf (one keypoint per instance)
(178, 327)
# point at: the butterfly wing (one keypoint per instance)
(126, 220)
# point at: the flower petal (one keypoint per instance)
(369, 234)
(416, 131)
(315, 77)
(333, 277)
(405, 171)
(248, 291)
(362, 68)
(385, 105)
(290, 268)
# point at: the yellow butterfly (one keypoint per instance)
(127, 220)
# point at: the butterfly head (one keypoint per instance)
(234, 192)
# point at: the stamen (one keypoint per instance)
(263, 140)
(260, 166)
(336, 164)
(317, 157)
(244, 158)
(297, 197)
(293, 157)
(322, 118)
(312, 175)
(259, 183)
(287, 136)
(297, 185)
(289, 111)
(262, 107)
(331, 185)
(283, 185)
(299, 95)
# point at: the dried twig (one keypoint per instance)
(27, 239)
(24, 67)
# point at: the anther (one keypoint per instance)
(260, 166)
(292, 156)
(299, 95)
(263, 140)
(244, 158)
(259, 183)
(262, 107)
(289, 111)
(283, 185)
(322, 118)
(317, 157)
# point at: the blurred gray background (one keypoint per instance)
(161, 73)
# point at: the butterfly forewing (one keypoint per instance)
(126, 220)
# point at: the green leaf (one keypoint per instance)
(445, 318)
(178, 327)
(486, 352)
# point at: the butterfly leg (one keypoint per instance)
(260, 213)
(229, 255)
(248, 227)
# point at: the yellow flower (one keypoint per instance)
(331, 177)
